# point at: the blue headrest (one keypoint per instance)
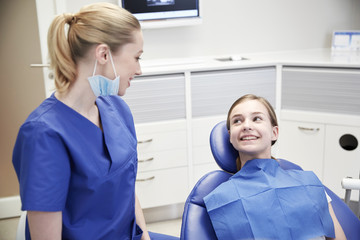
(224, 153)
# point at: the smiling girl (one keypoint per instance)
(263, 201)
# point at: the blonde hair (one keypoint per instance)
(269, 108)
(71, 35)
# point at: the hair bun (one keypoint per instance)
(70, 18)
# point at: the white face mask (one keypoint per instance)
(102, 86)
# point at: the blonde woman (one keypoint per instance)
(75, 155)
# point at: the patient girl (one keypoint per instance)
(263, 201)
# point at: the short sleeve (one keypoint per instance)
(42, 165)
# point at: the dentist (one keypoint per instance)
(75, 156)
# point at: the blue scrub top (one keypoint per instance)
(66, 163)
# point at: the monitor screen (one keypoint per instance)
(162, 9)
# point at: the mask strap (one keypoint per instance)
(95, 67)
(112, 63)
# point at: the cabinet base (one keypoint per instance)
(163, 213)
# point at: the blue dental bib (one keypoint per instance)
(263, 201)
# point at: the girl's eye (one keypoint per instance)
(236, 121)
(138, 59)
(257, 119)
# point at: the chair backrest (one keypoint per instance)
(196, 223)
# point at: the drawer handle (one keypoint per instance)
(309, 129)
(145, 179)
(146, 160)
(145, 141)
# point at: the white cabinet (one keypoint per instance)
(320, 148)
(319, 106)
(302, 143)
(339, 162)
(158, 106)
(162, 163)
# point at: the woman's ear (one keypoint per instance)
(275, 133)
(229, 137)
(102, 53)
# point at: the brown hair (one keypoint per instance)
(270, 109)
(71, 35)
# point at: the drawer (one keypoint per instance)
(161, 136)
(162, 187)
(162, 160)
(149, 143)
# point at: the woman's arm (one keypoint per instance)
(339, 233)
(140, 220)
(45, 225)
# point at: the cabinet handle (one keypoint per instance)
(309, 129)
(145, 179)
(145, 141)
(146, 160)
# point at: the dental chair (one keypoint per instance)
(196, 222)
(350, 184)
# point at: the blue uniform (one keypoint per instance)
(66, 163)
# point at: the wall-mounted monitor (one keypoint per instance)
(163, 13)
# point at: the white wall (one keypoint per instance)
(248, 26)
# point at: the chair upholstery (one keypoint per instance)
(196, 222)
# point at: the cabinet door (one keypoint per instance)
(303, 144)
(339, 162)
(201, 129)
(213, 92)
(157, 98)
(162, 187)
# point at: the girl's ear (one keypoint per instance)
(102, 53)
(275, 133)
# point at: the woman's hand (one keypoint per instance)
(140, 220)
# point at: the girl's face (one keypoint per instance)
(251, 132)
(126, 61)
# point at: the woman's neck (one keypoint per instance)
(82, 100)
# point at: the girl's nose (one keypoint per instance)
(247, 125)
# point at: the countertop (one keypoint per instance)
(309, 58)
